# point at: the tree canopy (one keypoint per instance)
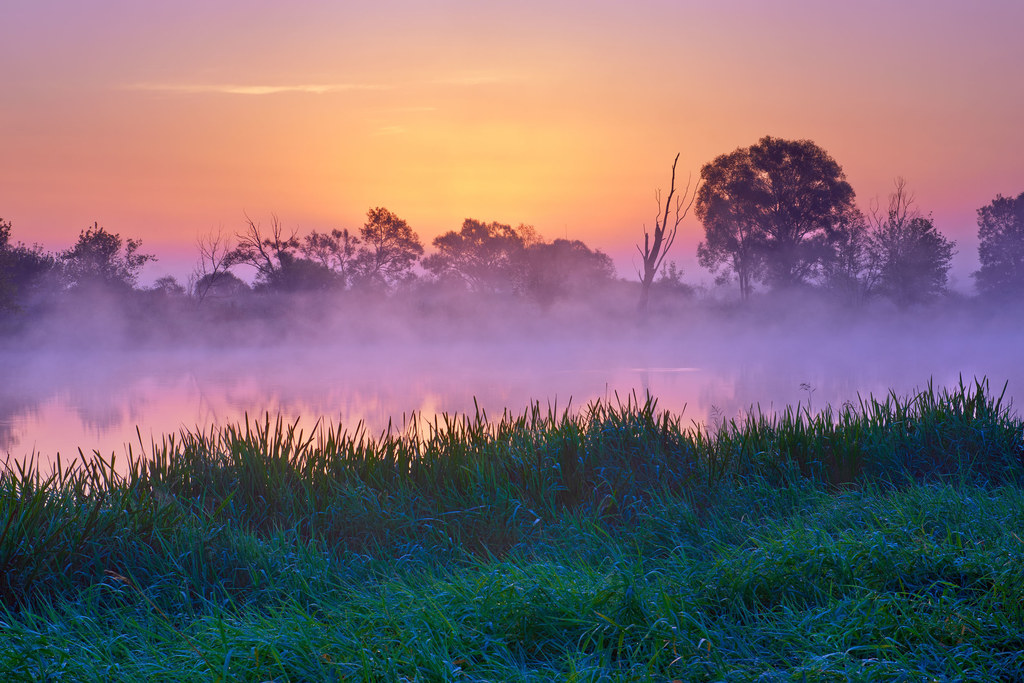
(770, 211)
(564, 269)
(1001, 247)
(389, 249)
(908, 258)
(101, 258)
(484, 257)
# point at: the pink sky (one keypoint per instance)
(164, 121)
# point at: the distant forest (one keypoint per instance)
(778, 217)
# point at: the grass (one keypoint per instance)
(874, 541)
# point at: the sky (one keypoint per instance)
(169, 121)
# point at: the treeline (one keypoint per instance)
(778, 216)
(491, 258)
(384, 258)
(781, 214)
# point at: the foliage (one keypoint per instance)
(771, 211)
(849, 271)
(1001, 248)
(485, 257)
(335, 251)
(224, 285)
(564, 269)
(909, 258)
(871, 542)
(103, 259)
(23, 270)
(169, 286)
(389, 250)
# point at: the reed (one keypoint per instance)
(867, 541)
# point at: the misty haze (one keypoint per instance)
(91, 393)
(511, 341)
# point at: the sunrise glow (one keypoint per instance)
(165, 122)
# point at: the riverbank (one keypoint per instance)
(867, 542)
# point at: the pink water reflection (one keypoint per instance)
(59, 402)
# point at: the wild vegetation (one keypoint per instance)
(613, 543)
(778, 214)
(616, 542)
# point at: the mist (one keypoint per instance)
(104, 373)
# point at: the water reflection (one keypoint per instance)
(59, 402)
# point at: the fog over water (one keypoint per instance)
(92, 393)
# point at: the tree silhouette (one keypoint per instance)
(909, 258)
(848, 270)
(215, 259)
(101, 258)
(389, 249)
(563, 269)
(263, 249)
(484, 257)
(732, 236)
(1001, 247)
(770, 211)
(336, 251)
(23, 270)
(275, 256)
(654, 252)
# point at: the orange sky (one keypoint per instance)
(164, 121)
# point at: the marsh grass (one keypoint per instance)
(875, 540)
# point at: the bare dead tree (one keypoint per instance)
(215, 258)
(263, 252)
(653, 253)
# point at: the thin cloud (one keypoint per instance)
(231, 89)
(390, 130)
(461, 80)
(474, 79)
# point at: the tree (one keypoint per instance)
(482, 256)
(389, 249)
(909, 258)
(732, 238)
(562, 269)
(222, 285)
(1001, 247)
(653, 253)
(168, 286)
(262, 250)
(24, 271)
(335, 250)
(772, 210)
(275, 258)
(847, 272)
(100, 258)
(215, 258)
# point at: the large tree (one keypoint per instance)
(732, 236)
(389, 249)
(484, 257)
(772, 210)
(1001, 247)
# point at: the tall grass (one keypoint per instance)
(614, 541)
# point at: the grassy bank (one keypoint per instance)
(616, 543)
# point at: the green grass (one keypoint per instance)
(876, 541)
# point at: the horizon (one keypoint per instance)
(164, 124)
